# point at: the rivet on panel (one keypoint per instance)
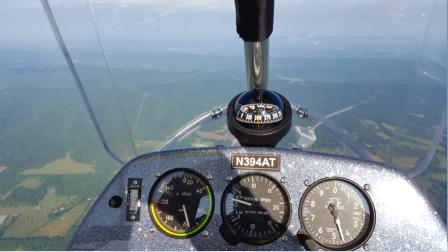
(284, 238)
(307, 182)
(157, 174)
(283, 180)
(367, 247)
(367, 187)
(152, 230)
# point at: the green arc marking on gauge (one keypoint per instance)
(193, 231)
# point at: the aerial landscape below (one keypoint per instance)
(53, 166)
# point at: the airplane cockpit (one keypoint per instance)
(289, 134)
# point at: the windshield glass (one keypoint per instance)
(143, 76)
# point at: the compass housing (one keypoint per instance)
(259, 118)
(258, 110)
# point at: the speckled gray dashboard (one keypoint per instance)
(404, 218)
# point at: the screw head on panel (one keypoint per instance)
(367, 187)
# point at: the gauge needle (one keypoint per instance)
(335, 214)
(186, 216)
(338, 225)
(242, 202)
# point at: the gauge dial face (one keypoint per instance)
(256, 208)
(337, 214)
(259, 114)
(181, 203)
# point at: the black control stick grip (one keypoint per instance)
(254, 19)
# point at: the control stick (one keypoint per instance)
(257, 117)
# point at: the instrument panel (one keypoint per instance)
(195, 200)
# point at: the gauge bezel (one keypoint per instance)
(283, 227)
(190, 234)
(371, 225)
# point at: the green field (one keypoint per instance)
(60, 225)
(31, 183)
(32, 219)
(64, 165)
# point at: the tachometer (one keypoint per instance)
(181, 203)
(337, 214)
(255, 209)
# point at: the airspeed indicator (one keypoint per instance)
(181, 203)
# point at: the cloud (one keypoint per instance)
(173, 4)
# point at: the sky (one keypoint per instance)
(300, 23)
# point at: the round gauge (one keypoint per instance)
(181, 203)
(337, 214)
(255, 209)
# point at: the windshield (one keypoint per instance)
(143, 76)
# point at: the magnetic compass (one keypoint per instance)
(259, 118)
(257, 114)
(258, 110)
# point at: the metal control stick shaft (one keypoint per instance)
(257, 64)
(254, 23)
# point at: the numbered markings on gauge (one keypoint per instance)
(259, 113)
(181, 203)
(255, 209)
(337, 214)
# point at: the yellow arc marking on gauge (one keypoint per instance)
(191, 232)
